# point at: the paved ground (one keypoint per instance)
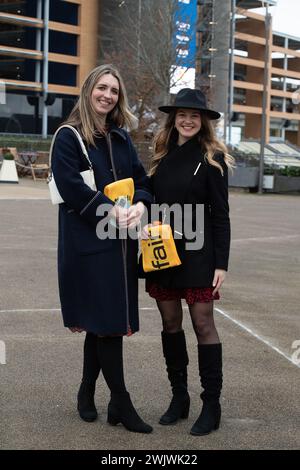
(257, 318)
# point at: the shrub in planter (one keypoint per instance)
(293, 171)
(8, 156)
(268, 170)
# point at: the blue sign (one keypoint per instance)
(184, 39)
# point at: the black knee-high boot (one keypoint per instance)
(91, 369)
(210, 370)
(120, 407)
(176, 356)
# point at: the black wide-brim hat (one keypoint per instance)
(191, 99)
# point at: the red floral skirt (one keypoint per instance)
(190, 294)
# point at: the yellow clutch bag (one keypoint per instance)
(159, 251)
(120, 189)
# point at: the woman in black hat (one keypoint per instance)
(190, 166)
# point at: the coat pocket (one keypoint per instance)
(84, 236)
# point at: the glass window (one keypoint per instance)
(63, 12)
(62, 43)
(62, 74)
(17, 68)
(13, 35)
(20, 115)
(24, 8)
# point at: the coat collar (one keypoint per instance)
(176, 171)
(186, 155)
(118, 131)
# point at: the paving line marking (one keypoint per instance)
(16, 310)
(260, 338)
(246, 328)
(226, 315)
(263, 239)
(44, 198)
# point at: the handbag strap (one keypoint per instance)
(124, 240)
(83, 147)
(108, 139)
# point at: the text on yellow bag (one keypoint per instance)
(159, 251)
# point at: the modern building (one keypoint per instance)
(259, 76)
(266, 77)
(48, 46)
(46, 49)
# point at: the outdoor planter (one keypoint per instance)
(8, 171)
(286, 183)
(244, 177)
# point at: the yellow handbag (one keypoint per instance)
(120, 190)
(159, 251)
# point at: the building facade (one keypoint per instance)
(266, 77)
(46, 49)
(259, 76)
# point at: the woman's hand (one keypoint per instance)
(135, 213)
(219, 278)
(145, 230)
(120, 214)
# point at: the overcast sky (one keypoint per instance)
(286, 17)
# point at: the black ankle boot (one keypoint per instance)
(179, 409)
(210, 370)
(175, 353)
(85, 404)
(209, 419)
(121, 410)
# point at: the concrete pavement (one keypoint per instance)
(257, 318)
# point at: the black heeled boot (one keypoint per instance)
(120, 407)
(175, 353)
(85, 402)
(91, 369)
(121, 410)
(210, 370)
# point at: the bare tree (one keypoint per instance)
(141, 40)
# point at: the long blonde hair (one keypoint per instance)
(84, 117)
(206, 137)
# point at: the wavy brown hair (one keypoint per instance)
(83, 116)
(206, 136)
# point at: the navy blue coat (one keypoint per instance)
(97, 291)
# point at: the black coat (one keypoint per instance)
(174, 182)
(97, 292)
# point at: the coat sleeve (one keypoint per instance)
(142, 184)
(66, 167)
(219, 207)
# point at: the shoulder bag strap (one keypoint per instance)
(108, 140)
(83, 148)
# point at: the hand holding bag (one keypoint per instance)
(87, 175)
(159, 251)
(120, 189)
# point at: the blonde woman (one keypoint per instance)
(190, 166)
(98, 282)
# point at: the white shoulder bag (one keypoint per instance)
(87, 175)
